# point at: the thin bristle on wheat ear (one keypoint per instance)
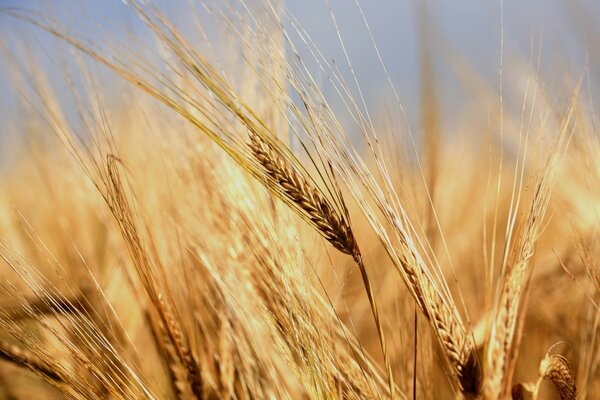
(331, 226)
(556, 369)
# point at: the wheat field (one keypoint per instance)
(216, 213)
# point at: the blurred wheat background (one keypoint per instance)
(299, 200)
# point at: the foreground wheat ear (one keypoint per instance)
(553, 368)
(556, 369)
(333, 226)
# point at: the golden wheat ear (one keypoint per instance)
(332, 225)
(329, 223)
(556, 369)
(27, 359)
(506, 328)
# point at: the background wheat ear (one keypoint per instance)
(30, 360)
(556, 369)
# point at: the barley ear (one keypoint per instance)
(29, 360)
(303, 194)
(556, 369)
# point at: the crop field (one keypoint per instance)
(198, 201)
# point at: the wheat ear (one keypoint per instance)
(556, 369)
(118, 203)
(456, 343)
(331, 224)
(29, 360)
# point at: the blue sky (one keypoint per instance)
(469, 28)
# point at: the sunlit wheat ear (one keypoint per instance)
(506, 329)
(117, 199)
(556, 369)
(457, 345)
(332, 225)
(31, 361)
(455, 341)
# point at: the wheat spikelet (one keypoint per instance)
(556, 369)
